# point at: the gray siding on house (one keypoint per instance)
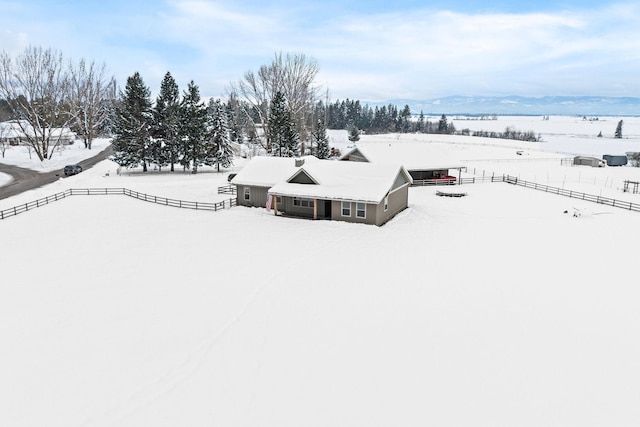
(257, 196)
(375, 213)
(302, 178)
(398, 201)
(287, 207)
(370, 214)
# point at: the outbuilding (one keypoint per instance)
(589, 161)
(615, 160)
(423, 161)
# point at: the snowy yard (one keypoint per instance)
(497, 308)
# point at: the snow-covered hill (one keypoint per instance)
(518, 105)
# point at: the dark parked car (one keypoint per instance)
(72, 170)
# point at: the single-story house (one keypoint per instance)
(422, 160)
(14, 133)
(589, 161)
(324, 189)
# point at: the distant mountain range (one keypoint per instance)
(519, 105)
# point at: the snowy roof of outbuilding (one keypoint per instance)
(411, 155)
(335, 180)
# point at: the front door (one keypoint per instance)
(327, 209)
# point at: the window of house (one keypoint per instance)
(346, 208)
(361, 210)
(386, 203)
(305, 203)
(247, 193)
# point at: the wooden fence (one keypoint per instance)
(6, 213)
(471, 180)
(573, 194)
(227, 189)
(528, 184)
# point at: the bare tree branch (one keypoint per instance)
(36, 87)
(291, 74)
(90, 99)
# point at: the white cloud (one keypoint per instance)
(412, 54)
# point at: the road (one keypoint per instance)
(27, 179)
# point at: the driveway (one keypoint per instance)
(27, 179)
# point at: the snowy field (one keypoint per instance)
(493, 309)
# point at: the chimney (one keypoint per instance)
(299, 162)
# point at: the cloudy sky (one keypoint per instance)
(371, 50)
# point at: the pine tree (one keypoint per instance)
(354, 133)
(234, 115)
(285, 141)
(219, 135)
(319, 136)
(420, 127)
(193, 128)
(131, 125)
(404, 119)
(619, 130)
(166, 125)
(443, 126)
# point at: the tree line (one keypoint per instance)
(348, 114)
(174, 130)
(277, 109)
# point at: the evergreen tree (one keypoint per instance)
(443, 126)
(420, 126)
(234, 117)
(193, 128)
(131, 125)
(219, 135)
(619, 130)
(166, 124)
(319, 136)
(285, 141)
(354, 133)
(405, 119)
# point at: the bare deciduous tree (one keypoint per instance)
(4, 135)
(90, 99)
(36, 87)
(293, 75)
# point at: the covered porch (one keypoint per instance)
(302, 207)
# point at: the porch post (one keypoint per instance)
(275, 204)
(315, 208)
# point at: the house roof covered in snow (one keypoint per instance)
(22, 128)
(265, 171)
(411, 155)
(310, 177)
(356, 181)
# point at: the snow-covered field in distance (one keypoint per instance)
(493, 309)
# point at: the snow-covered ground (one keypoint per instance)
(493, 309)
(63, 155)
